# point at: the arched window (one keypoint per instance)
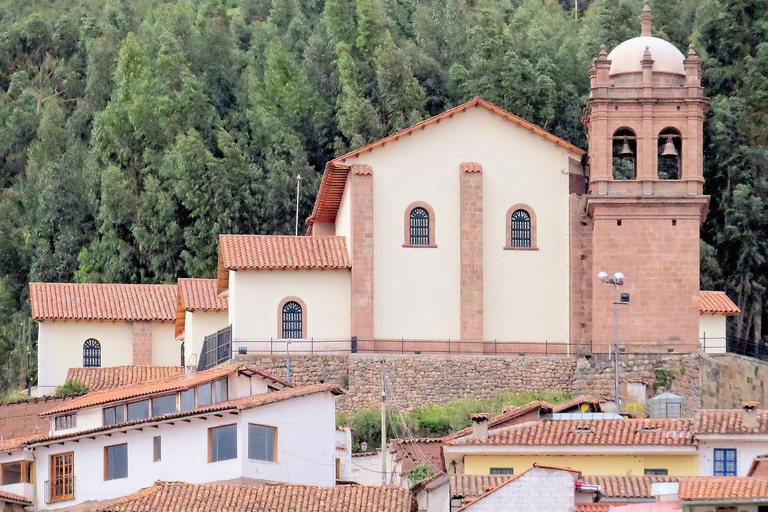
(521, 228)
(669, 153)
(624, 154)
(91, 353)
(419, 226)
(293, 320)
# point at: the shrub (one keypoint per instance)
(636, 409)
(71, 387)
(419, 472)
(12, 396)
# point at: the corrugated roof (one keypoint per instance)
(717, 303)
(98, 379)
(722, 488)
(126, 302)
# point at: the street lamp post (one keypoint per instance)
(622, 300)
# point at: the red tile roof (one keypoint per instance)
(717, 303)
(594, 507)
(201, 294)
(18, 442)
(578, 401)
(14, 498)
(332, 185)
(629, 487)
(474, 486)
(170, 384)
(722, 488)
(470, 167)
(508, 414)
(729, 421)
(266, 252)
(182, 497)
(238, 404)
(127, 302)
(98, 379)
(625, 432)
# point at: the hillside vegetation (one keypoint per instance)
(133, 133)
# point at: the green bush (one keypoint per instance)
(636, 409)
(419, 472)
(71, 387)
(13, 395)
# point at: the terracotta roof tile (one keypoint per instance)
(14, 498)
(508, 414)
(630, 487)
(595, 507)
(332, 185)
(98, 379)
(177, 497)
(714, 488)
(729, 421)
(717, 303)
(474, 486)
(625, 432)
(577, 401)
(17, 442)
(169, 384)
(201, 294)
(266, 252)
(127, 302)
(239, 404)
(470, 167)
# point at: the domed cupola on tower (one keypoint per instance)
(645, 117)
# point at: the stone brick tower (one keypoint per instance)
(644, 116)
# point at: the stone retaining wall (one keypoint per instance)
(730, 379)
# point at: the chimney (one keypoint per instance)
(749, 415)
(480, 425)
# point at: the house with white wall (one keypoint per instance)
(201, 312)
(730, 440)
(17, 468)
(231, 422)
(99, 325)
(715, 309)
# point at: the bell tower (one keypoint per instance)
(645, 117)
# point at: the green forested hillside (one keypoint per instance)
(133, 133)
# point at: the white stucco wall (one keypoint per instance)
(198, 325)
(166, 350)
(305, 455)
(254, 298)
(21, 489)
(713, 327)
(60, 347)
(539, 489)
(417, 290)
(746, 451)
(344, 218)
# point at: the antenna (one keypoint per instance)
(298, 189)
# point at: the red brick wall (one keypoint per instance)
(361, 188)
(471, 218)
(142, 343)
(661, 264)
(580, 260)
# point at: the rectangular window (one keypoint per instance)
(157, 449)
(116, 461)
(659, 472)
(163, 405)
(725, 462)
(262, 443)
(16, 473)
(221, 391)
(61, 486)
(502, 471)
(187, 400)
(64, 422)
(114, 415)
(138, 410)
(222, 443)
(204, 395)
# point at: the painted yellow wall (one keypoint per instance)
(198, 325)
(714, 328)
(255, 296)
(518, 167)
(677, 465)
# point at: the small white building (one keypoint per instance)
(201, 312)
(99, 325)
(17, 468)
(729, 440)
(227, 423)
(714, 309)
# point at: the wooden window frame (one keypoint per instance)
(407, 226)
(157, 449)
(303, 305)
(197, 394)
(106, 448)
(152, 403)
(214, 395)
(104, 414)
(149, 408)
(26, 471)
(274, 448)
(508, 237)
(72, 415)
(51, 468)
(210, 442)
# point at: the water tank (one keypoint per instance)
(666, 405)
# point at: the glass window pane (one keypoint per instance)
(164, 405)
(223, 443)
(157, 448)
(502, 471)
(11, 473)
(261, 443)
(204, 395)
(138, 410)
(221, 390)
(187, 400)
(114, 415)
(117, 462)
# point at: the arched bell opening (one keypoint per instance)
(624, 153)
(669, 152)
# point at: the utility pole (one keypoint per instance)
(383, 422)
(618, 300)
(298, 189)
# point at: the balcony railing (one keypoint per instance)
(60, 489)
